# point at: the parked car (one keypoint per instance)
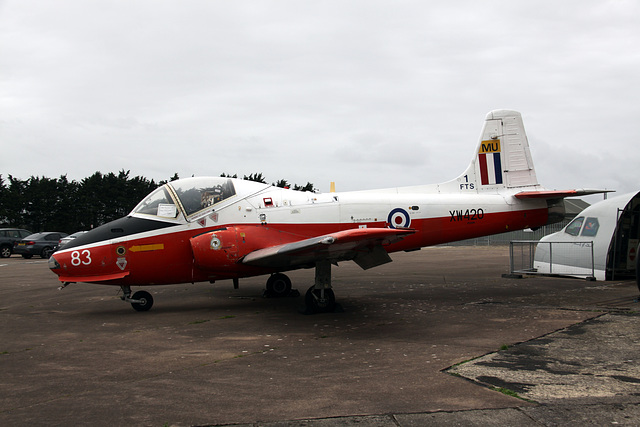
(69, 238)
(43, 244)
(8, 237)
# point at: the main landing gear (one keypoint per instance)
(279, 286)
(318, 299)
(140, 301)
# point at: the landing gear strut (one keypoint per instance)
(140, 301)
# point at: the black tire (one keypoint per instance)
(146, 301)
(46, 252)
(278, 285)
(5, 251)
(638, 267)
(317, 304)
(26, 256)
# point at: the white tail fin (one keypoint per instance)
(502, 158)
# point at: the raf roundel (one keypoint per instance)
(399, 218)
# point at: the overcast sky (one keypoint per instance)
(366, 93)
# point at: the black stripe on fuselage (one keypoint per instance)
(116, 229)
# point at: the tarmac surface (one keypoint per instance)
(435, 337)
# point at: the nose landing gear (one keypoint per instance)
(140, 301)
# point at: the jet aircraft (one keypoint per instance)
(216, 228)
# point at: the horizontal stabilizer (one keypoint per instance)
(339, 246)
(558, 194)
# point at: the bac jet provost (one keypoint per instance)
(215, 228)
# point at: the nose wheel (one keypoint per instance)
(140, 301)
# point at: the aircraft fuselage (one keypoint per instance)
(140, 250)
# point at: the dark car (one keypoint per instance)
(70, 238)
(8, 237)
(43, 244)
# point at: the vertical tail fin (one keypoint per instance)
(518, 170)
(502, 158)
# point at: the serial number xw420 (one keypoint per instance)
(466, 215)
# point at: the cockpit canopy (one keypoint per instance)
(188, 196)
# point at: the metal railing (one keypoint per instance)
(506, 238)
(574, 259)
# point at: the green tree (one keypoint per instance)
(3, 201)
(104, 198)
(175, 177)
(14, 203)
(41, 203)
(257, 177)
(282, 183)
(308, 187)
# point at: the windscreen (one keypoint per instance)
(574, 226)
(158, 203)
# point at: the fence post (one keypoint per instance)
(593, 261)
(531, 254)
(511, 268)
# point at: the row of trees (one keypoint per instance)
(57, 204)
(282, 183)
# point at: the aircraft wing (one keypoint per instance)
(557, 194)
(362, 245)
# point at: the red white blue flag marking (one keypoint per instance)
(490, 163)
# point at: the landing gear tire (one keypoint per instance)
(320, 300)
(144, 301)
(278, 285)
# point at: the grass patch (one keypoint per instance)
(227, 317)
(511, 393)
(506, 391)
(196, 322)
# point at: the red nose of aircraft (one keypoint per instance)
(104, 253)
(54, 265)
(86, 265)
